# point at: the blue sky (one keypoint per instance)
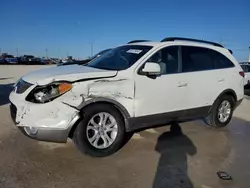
(69, 26)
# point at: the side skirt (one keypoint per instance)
(143, 122)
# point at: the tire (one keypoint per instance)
(213, 118)
(83, 133)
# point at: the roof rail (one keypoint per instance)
(192, 40)
(135, 41)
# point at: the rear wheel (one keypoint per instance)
(101, 132)
(221, 112)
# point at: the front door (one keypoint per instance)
(165, 93)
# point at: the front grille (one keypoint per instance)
(13, 111)
(22, 86)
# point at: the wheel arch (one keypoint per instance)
(229, 92)
(101, 100)
(212, 118)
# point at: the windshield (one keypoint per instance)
(120, 58)
(100, 53)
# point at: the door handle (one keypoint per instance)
(221, 80)
(182, 85)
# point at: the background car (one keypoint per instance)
(8, 59)
(246, 68)
(55, 60)
(26, 58)
(11, 60)
(47, 61)
(1, 60)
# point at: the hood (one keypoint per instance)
(69, 73)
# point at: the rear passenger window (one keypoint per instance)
(196, 59)
(221, 61)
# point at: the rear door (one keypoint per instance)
(198, 67)
(208, 74)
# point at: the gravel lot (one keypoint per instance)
(152, 158)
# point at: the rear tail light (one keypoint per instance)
(242, 74)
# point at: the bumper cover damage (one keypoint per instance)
(53, 122)
(49, 135)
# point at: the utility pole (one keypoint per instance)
(46, 50)
(249, 55)
(17, 52)
(0, 51)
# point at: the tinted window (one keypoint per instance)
(167, 59)
(245, 68)
(120, 58)
(221, 61)
(196, 59)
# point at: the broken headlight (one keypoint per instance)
(43, 94)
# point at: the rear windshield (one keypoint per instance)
(120, 58)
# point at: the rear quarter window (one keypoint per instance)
(221, 61)
(196, 59)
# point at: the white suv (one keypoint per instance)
(131, 87)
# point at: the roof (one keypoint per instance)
(177, 40)
(149, 43)
(185, 43)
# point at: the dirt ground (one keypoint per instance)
(152, 158)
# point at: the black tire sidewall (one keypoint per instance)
(80, 136)
(218, 123)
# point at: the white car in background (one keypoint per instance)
(131, 87)
(246, 68)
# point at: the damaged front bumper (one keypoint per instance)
(49, 135)
(46, 122)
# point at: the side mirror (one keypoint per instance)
(151, 69)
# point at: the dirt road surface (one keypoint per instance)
(152, 158)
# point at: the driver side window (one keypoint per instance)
(167, 58)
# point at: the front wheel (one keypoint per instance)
(221, 112)
(101, 132)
